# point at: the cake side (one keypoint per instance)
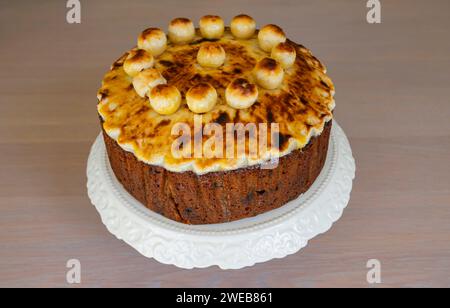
(219, 197)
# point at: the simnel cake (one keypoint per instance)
(216, 123)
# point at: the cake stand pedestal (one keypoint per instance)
(233, 245)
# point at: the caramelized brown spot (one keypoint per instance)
(324, 84)
(166, 63)
(139, 55)
(304, 101)
(285, 47)
(117, 65)
(180, 21)
(243, 17)
(111, 78)
(223, 118)
(212, 48)
(150, 31)
(202, 40)
(270, 116)
(142, 110)
(200, 90)
(275, 29)
(162, 89)
(283, 140)
(244, 87)
(104, 93)
(212, 18)
(162, 124)
(119, 62)
(268, 64)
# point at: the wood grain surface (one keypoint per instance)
(392, 83)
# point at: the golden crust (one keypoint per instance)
(199, 91)
(243, 88)
(273, 30)
(302, 103)
(180, 21)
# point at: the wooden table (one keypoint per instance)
(392, 84)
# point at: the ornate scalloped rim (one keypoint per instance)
(234, 245)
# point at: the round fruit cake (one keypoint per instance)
(214, 124)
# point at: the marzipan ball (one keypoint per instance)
(165, 99)
(211, 55)
(269, 36)
(241, 94)
(201, 98)
(181, 31)
(211, 27)
(269, 73)
(243, 26)
(137, 61)
(285, 54)
(153, 40)
(146, 80)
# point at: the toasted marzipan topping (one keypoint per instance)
(181, 30)
(241, 94)
(211, 55)
(137, 61)
(243, 26)
(153, 40)
(285, 54)
(269, 36)
(269, 73)
(146, 80)
(304, 97)
(165, 99)
(211, 26)
(201, 98)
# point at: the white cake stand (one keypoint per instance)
(234, 245)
